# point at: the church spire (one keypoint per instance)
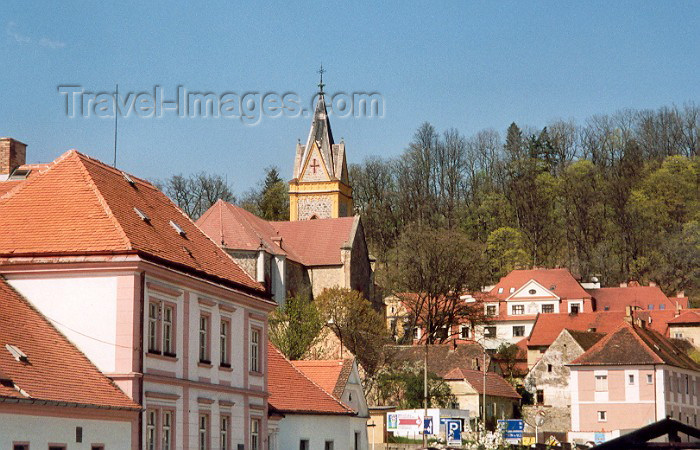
(320, 84)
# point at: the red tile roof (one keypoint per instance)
(548, 326)
(56, 370)
(617, 298)
(80, 206)
(559, 281)
(634, 345)
(309, 242)
(331, 375)
(292, 392)
(496, 385)
(689, 316)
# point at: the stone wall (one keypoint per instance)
(247, 260)
(555, 419)
(359, 265)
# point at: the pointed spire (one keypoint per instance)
(321, 71)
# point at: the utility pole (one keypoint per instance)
(425, 382)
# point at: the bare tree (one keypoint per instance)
(196, 193)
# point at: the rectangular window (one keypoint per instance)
(602, 416)
(97, 447)
(549, 368)
(204, 339)
(254, 434)
(489, 332)
(20, 446)
(575, 308)
(464, 332)
(662, 306)
(601, 383)
(255, 350)
(650, 378)
(490, 310)
(166, 430)
(57, 447)
(357, 440)
(328, 445)
(540, 397)
(518, 309)
(225, 360)
(547, 309)
(150, 430)
(168, 315)
(203, 432)
(153, 327)
(518, 331)
(304, 444)
(416, 333)
(630, 379)
(651, 306)
(224, 430)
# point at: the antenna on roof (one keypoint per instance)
(116, 122)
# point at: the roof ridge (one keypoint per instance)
(100, 198)
(114, 170)
(312, 381)
(50, 166)
(68, 341)
(248, 223)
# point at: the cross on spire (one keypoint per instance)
(321, 71)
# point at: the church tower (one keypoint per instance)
(320, 188)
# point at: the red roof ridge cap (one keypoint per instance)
(112, 169)
(343, 405)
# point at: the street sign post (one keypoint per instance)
(428, 426)
(512, 428)
(454, 432)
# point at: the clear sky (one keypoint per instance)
(467, 65)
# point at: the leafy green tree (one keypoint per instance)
(403, 386)
(296, 326)
(506, 250)
(270, 200)
(358, 326)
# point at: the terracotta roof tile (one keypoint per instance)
(292, 392)
(56, 370)
(496, 385)
(690, 316)
(564, 284)
(634, 345)
(331, 375)
(309, 242)
(81, 206)
(617, 298)
(442, 358)
(585, 339)
(548, 326)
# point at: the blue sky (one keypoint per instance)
(462, 64)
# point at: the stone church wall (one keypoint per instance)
(246, 260)
(296, 277)
(360, 268)
(326, 277)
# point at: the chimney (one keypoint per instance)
(13, 154)
(652, 284)
(678, 309)
(628, 314)
(623, 284)
(680, 294)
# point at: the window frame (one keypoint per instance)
(168, 349)
(491, 310)
(151, 429)
(204, 341)
(203, 433)
(158, 341)
(255, 359)
(25, 445)
(255, 424)
(598, 385)
(548, 306)
(462, 334)
(517, 310)
(520, 328)
(490, 335)
(650, 378)
(224, 431)
(603, 416)
(225, 342)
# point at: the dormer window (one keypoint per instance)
(142, 215)
(500, 290)
(177, 228)
(512, 290)
(128, 178)
(17, 353)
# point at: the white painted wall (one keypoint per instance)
(83, 308)
(320, 428)
(40, 431)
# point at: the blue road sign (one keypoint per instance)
(454, 432)
(512, 428)
(599, 438)
(428, 425)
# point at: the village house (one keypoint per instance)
(467, 385)
(632, 377)
(306, 416)
(548, 380)
(51, 395)
(152, 302)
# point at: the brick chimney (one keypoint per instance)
(624, 285)
(652, 284)
(680, 294)
(13, 154)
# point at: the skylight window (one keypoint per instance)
(179, 229)
(17, 353)
(128, 178)
(19, 174)
(142, 215)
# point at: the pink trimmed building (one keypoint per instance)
(632, 377)
(154, 303)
